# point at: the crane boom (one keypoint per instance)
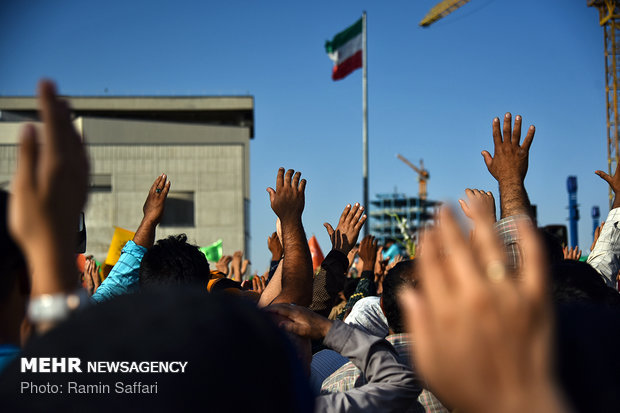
(441, 10)
(409, 164)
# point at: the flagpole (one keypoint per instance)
(365, 120)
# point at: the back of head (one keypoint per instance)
(575, 282)
(400, 276)
(350, 284)
(173, 261)
(553, 246)
(219, 337)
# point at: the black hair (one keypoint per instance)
(218, 336)
(401, 275)
(575, 282)
(553, 246)
(173, 261)
(350, 284)
(13, 268)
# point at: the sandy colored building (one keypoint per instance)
(201, 143)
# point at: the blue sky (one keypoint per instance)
(432, 92)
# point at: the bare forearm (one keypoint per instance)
(296, 265)
(145, 234)
(513, 199)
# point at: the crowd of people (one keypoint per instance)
(499, 319)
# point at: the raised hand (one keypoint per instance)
(509, 165)
(344, 237)
(259, 283)
(482, 338)
(92, 279)
(614, 184)
(481, 205)
(288, 200)
(222, 265)
(301, 321)
(275, 246)
(571, 253)
(510, 159)
(153, 208)
(368, 252)
(239, 266)
(49, 191)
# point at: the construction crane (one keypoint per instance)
(441, 10)
(609, 18)
(423, 175)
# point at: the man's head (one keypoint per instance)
(397, 278)
(575, 282)
(209, 332)
(173, 261)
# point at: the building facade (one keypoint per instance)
(201, 143)
(390, 210)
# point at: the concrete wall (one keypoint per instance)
(210, 161)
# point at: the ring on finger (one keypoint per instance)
(496, 271)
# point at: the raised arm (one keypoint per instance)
(330, 279)
(153, 211)
(124, 278)
(49, 191)
(508, 165)
(287, 201)
(605, 255)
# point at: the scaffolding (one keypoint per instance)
(609, 18)
(390, 210)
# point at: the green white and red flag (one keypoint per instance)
(345, 49)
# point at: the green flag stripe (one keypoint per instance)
(344, 36)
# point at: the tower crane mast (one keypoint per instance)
(609, 18)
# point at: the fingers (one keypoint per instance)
(50, 112)
(287, 178)
(25, 175)
(280, 179)
(516, 131)
(302, 185)
(344, 215)
(296, 179)
(507, 127)
(458, 258)
(465, 208)
(497, 135)
(164, 192)
(603, 175)
(156, 183)
(285, 310)
(96, 276)
(361, 222)
(488, 159)
(328, 227)
(527, 142)
(533, 270)
(272, 194)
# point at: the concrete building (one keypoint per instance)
(201, 143)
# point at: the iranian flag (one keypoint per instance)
(345, 50)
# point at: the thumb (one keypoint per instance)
(487, 158)
(329, 228)
(465, 208)
(272, 194)
(604, 176)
